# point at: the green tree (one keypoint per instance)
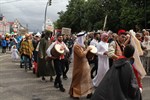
(90, 15)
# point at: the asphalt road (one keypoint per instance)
(16, 84)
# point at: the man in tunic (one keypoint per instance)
(103, 61)
(119, 82)
(81, 81)
(58, 61)
(116, 48)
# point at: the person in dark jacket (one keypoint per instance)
(119, 83)
(69, 43)
(4, 45)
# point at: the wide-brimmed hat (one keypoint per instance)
(27, 35)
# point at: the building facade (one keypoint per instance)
(4, 26)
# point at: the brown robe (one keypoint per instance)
(81, 80)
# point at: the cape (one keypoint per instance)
(119, 83)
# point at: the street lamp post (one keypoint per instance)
(1, 16)
(47, 4)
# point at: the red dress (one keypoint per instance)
(137, 75)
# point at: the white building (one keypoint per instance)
(49, 25)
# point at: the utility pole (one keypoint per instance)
(27, 27)
(47, 4)
(105, 22)
(145, 15)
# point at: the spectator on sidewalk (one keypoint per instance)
(3, 44)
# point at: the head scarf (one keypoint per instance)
(80, 39)
(103, 35)
(38, 34)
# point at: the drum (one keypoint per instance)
(92, 52)
(56, 51)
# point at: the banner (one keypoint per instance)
(66, 31)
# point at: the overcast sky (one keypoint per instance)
(31, 12)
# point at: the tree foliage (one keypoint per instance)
(89, 15)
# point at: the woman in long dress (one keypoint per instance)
(14, 53)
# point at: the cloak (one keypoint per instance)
(119, 83)
(81, 81)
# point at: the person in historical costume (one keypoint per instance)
(50, 63)
(35, 43)
(146, 44)
(116, 47)
(138, 68)
(35, 69)
(142, 57)
(120, 82)
(112, 38)
(94, 42)
(81, 81)
(26, 51)
(50, 68)
(58, 61)
(103, 61)
(15, 40)
(44, 43)
(14, 53)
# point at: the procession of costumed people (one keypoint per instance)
(105, 61)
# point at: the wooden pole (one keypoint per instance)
(105, 21)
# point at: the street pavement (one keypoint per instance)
(17, 84)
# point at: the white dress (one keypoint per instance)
(103, 63)
(14, 54)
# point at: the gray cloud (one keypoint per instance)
(31, 12)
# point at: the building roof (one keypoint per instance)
(11, 23)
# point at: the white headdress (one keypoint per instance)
(38, 34)
(80, 39)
